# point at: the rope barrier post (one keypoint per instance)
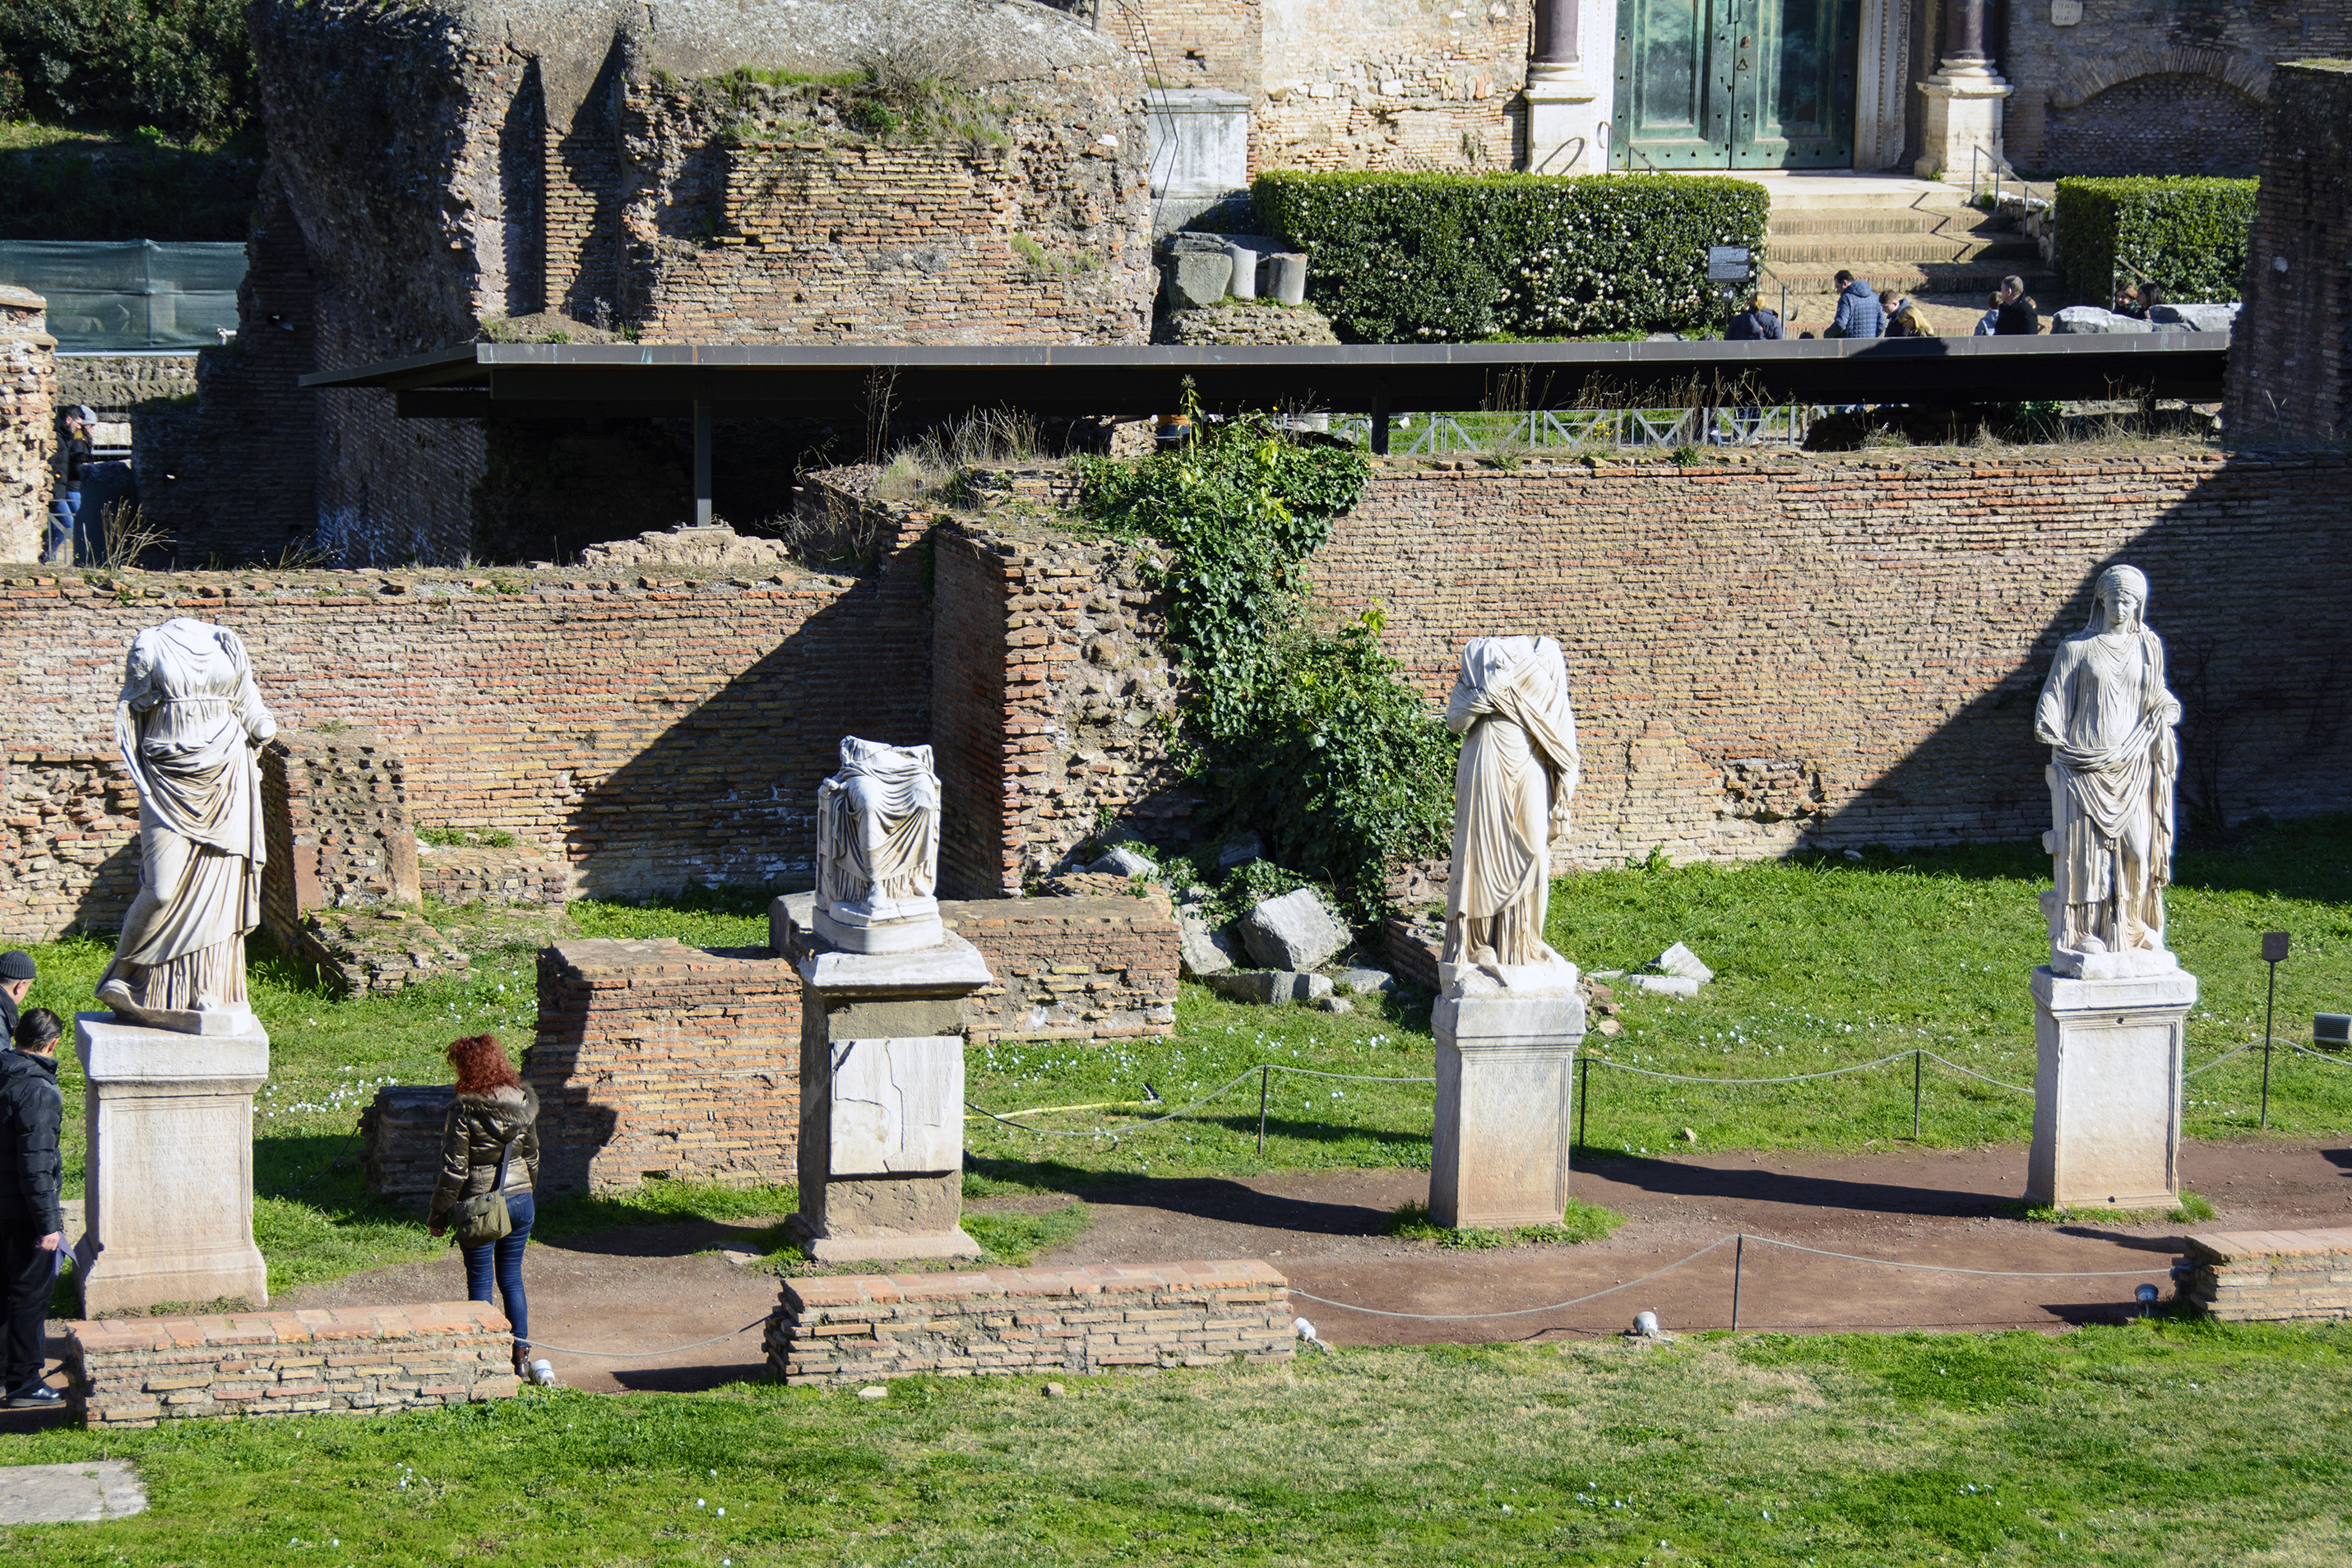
(1738, 1257)
(1917, 1058)
(1265, 1076)
(1583, 1097)
(2275, 946)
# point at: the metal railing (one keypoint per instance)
(1541, 429)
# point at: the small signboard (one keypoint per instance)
(1727, 263)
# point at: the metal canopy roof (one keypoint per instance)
(563, 380)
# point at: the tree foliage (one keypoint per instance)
(183, 66)
(1305, 735)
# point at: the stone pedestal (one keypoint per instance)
(1963, 111)
(1564, 122)
(1506, 1049)
(881, 1136)
(2106, 1091)
(169, 1189)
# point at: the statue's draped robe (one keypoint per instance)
(1511, 788)
(186, 724)
(884, 833)
(2107, 718)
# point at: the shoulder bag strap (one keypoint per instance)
(505, 1154)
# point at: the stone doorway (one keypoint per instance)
(1736, 84)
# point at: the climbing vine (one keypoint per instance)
(1303, 734)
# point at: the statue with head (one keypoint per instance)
(1511, 788)
(2108, 720)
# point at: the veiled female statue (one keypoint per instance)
(1511, 791)
(878, 850)
(189, 723)
(2109, 721)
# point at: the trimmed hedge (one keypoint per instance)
(1418, 257)
(2187, 236)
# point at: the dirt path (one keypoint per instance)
(658, 1286)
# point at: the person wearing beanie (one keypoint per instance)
(16, 975)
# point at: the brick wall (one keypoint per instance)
(2194, 65)
(1335, 84)
(336, 810)
(656, 1059)
(1091, 970)
(658, 729)
(137, 1372)
(1006, 1321)
(2272, 1276)
(1047, 696)
(109, 382)
(1792, 651)
(472, 873)
(28, 429)
(2290, 373)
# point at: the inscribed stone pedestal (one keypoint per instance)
(169, 1184)
(2106, 1091)
(881, 1149)
(1506, 1047)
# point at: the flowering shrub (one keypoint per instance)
(2189, 235)
(1418, 257)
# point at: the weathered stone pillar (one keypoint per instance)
(1506, 1053)
(881, 1145)
(29, 434)
(1964, 98)
(1563, 127)
(2107, 1090)
(169, 1188)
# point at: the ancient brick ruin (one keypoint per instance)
(2291, 357)
(28, 378)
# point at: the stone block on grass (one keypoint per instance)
(1268, 986)
(1197, 278)
(1301, 930)
(1203, 949)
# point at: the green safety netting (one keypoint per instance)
(119, 295)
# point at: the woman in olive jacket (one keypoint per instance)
(493, 1105)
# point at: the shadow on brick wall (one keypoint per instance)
(726, 795)
(2265, 684)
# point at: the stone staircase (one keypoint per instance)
(1902, 236)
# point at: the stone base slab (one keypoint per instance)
(2106, 1091)
(868, 1247)
(137, 1372)
(170, 1165)
(1102, 1318)
(2272, 1276)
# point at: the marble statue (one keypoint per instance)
(2109, 721)
(189, 723)
(878, 850)
(1511, 791)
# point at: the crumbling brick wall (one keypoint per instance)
(69, 851)
(28, 434)
(2290, 374)
(1091, 970)
(1769, 654)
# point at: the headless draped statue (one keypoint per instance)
(188, 724)
(878, 850)
(1511, 791)
(2109, 721)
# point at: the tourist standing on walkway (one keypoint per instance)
(1859, 314)
(2018, 316)
(1755, 324)
(32, 1224)
(16, 975)
(489, 1144)
(1905, 322)
(69, 538)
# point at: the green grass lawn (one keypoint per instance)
(2161, 1443)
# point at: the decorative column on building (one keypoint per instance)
(1964, 98)
(1563, 125)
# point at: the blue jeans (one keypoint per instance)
(66, 524)
(504, 1255)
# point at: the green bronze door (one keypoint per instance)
(1734, 84)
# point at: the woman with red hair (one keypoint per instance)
(492, 1129)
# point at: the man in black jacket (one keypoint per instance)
(17, 974)
(32, 1227)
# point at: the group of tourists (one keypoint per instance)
(1862, 313)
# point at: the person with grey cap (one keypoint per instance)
(32, 1222)
(17, 976)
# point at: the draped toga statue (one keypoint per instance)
(2109, 721)
(188, 724)
(878, 850)
(1511, 791)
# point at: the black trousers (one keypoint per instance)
(29, 1273)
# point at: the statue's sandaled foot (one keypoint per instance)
(116, 994)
